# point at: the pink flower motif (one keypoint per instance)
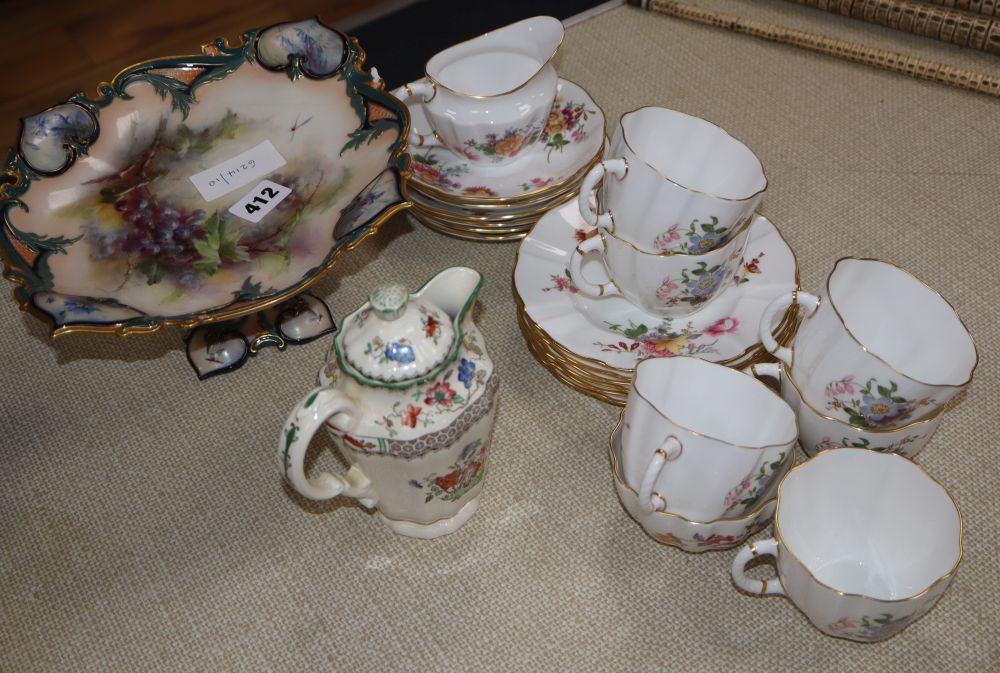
(824, 444)
(667, 289)
(843, 624)
(723, 326)
(663, 241)
(845, 386)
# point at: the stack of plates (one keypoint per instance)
(593, 345)
(474, 201)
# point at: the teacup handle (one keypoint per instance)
(591, 245)
(425, 92)
(616, 167)
(770, 370)
(670, 449)
(803, 299)
(306, 418)
(771, 587)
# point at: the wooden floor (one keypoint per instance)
(53, 48)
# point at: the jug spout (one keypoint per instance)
(454, 291)
(504, 59)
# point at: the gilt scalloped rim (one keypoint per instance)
(176, 79)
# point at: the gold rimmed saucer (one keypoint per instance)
(536, 198)
(462, 233)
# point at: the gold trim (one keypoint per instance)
(836, 312)
(252, 307)
(469, 236)
(784, 372)
(739, 231)
(753, 550)
(754, 354)
(621, 480)
(529, 197)
(782, 545)
(789, 320)
(756, 381)
(495, 95)
(508, 213)
(763, 586)
(638, 156)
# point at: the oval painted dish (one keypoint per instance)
(196, 189)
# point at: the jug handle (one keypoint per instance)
(306, 418)
(618, 168)
(425, 92)
(670, 449)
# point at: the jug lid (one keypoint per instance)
(397, 337)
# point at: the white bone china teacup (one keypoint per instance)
(819, 432)
(674, 285)
(878, 348)
(674, 183)
(703, 441)
(864, 542)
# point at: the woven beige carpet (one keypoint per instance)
(143, 525)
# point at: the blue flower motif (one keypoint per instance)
(880, 409)
(704, 242)
(400, 352)
(415, 484)
(706, 284)
(466, 372)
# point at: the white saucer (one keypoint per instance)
(548, 164)
(615, 333)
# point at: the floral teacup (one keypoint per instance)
(681, 184)
(676, 531)
(879, 348)
(703, 441)
(673, 285)
(865, 543)
(819, 432)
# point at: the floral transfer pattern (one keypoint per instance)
(745, 494)
(537, 183)
(664, 340)
(749, 268)
(441, 398)
(901, 446)
(565, 125)
(561, 283)
(870, 628)
(872, 405)
(462, 476)
(714, 541)
(699, 237)
(694, 286)
(427, 168)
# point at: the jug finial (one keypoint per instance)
(388, 301)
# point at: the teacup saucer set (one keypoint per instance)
(645, 278)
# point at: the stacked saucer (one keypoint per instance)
(594, 344)
(475, 201)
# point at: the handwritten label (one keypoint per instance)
(260, 201)
(238, 172)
